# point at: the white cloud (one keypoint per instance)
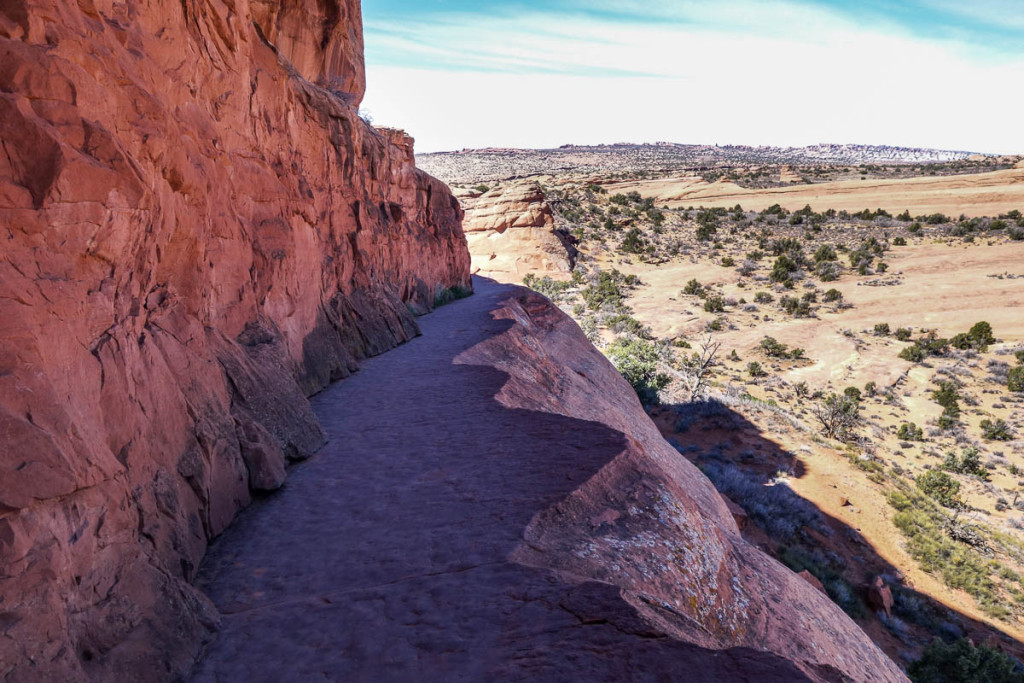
(784, 77)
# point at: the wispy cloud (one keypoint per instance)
(728, 71)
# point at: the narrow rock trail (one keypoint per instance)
(386, 556)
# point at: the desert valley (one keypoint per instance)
(816, 365)
(283, 400)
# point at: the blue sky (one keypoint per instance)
(936, 73)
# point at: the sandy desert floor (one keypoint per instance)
(980, 194)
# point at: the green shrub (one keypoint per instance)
(825, 253)
(1015, 379)
(783, 269)
(637, 361)
(832, 295)
(482, 188)
(633, 242)
(948, 397)
(899, 242)
(962, 661)
(714, 304)
(914, 228)
(773, 348)
(607, 289)
(903, 334)
(755, 370)
(914, 354)
(969, 462)
(446, 296)
(941, 487)
(694, 288)
(882, 329)
(763, 298)
(996, 430)
(552, 289)
(909, 431)
(981, 336)
(795, 307)
(728, 262)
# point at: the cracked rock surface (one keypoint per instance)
(494, 504)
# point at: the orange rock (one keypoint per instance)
(813, 580)
(198, 232)
(511, 232)
(880, 596)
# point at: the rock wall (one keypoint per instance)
(650, 528)
(511, 232)
(196, 232)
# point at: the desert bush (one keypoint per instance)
(980, 336)
(996, 430)
(637, 360)
(837, 415)
(783, 270)
(832, 295)
(899, 242)
(694, 288)
(969, 462)
(607, 289)
(623, 323)
(633, 242)
(1015, 379)
(941, 487)
(445, 296)
(948, 397)
(825, 253)
(795, 307)
(754, 369)
(714, 304)
(552, 289)
(903, 334)
(772, 505)
(909, 431)
(914, 228)
(763, 298)
(961, 660)
(882, 330)
(773, 348)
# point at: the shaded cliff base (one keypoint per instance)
(743, 451)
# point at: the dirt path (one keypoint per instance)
(384, 558)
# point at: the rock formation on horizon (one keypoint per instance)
(198, 231)
(511, 232)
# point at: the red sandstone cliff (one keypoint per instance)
(196, 232)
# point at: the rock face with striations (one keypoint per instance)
(650, 529)
(197, 231)
(511, 232)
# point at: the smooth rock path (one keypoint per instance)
(385, 556)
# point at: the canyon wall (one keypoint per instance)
(197, 231)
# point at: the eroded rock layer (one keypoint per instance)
(196, 232)
(511, 232)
